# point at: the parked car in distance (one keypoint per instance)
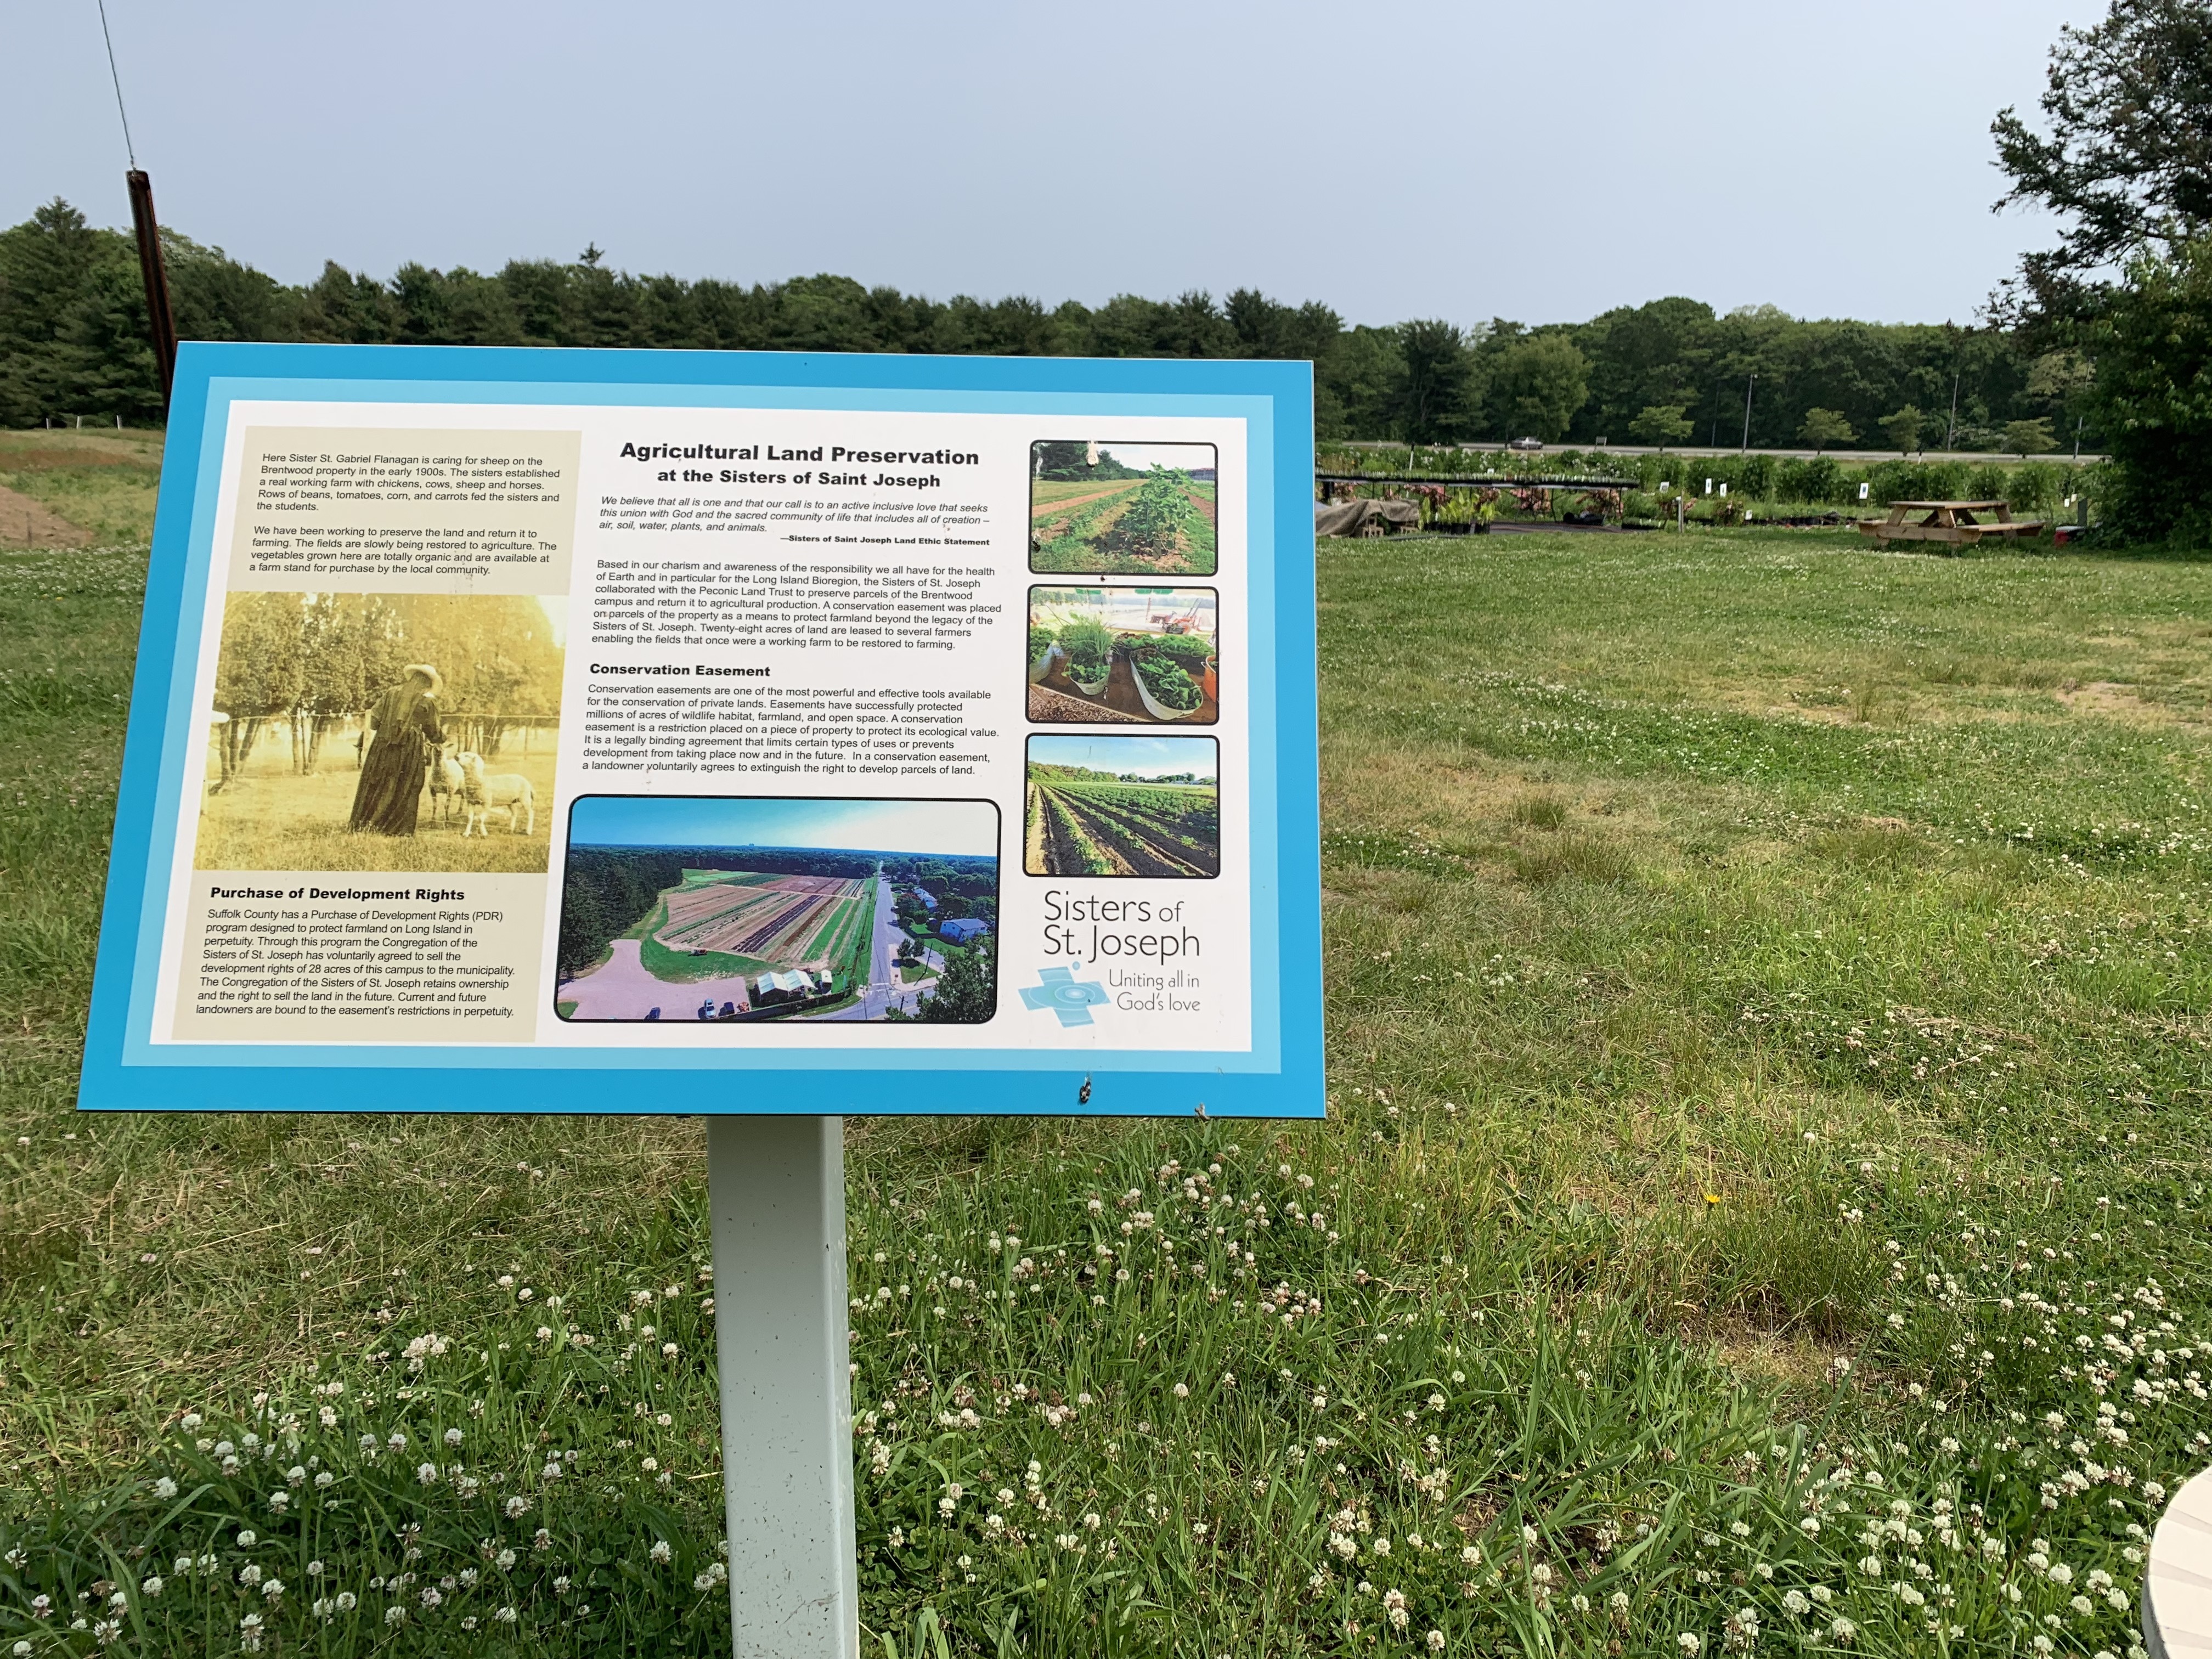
(1526, 443)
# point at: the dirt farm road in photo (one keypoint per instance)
(884, 987)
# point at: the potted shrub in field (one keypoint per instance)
(1043, 643)
(1088, 649)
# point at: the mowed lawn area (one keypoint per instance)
(1763, 1205)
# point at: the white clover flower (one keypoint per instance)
(249, 1575)
(395, 1615)
(1436, 1641)
(1690, 1641)
(1841, 1629)
(151, 1587)
(165, 1488)
(517, 1507)
(660, 1551)
(1182, 1390)
(454, 1437)
(504, 1560)
(347, 1601)
(247, 1540)
(506, 1615)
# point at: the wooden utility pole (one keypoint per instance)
(160, 318)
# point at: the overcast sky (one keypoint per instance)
(1533, 161)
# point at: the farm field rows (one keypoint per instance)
(1123, 830)
(1074, 526)
(794, 921)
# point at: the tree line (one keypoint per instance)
(2104, 340)
(73, 342)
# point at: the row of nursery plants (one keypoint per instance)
(2045, 487)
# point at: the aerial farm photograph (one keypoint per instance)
(735, 911)
(1730, 1174)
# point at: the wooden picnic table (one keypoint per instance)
(1953, 523)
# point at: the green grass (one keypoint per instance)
(1745, 953)
(103, 481)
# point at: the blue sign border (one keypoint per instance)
(1280, 1077)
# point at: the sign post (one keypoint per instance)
(770, 736)
(776, 1188)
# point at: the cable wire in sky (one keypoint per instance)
(128, 150)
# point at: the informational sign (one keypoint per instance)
(675, 732)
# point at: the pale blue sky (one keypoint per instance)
(969, 827)
(1428, 159)
(1146, 756)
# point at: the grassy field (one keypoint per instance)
(1764, 1203)
(104, 482)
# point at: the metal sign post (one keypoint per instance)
(775, 1187)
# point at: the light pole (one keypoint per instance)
(1952, 429)
(1748, 384)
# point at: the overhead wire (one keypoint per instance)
(112, 75)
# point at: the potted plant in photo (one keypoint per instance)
(1088, 649)
(1043, 642)
(1195, 654)
(1166, 672)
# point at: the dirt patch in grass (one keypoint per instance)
(1794, 1359)
(31, 524)
(2113, 701)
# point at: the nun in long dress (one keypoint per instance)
(403, 727)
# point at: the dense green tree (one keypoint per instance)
(73, 341)
(1903, 428)
(2152, 339)
(2030, 437)
(1648, 356)
(1536, 385)
(1436, 395)
(1660, 424)
(1823, 428)
(2124, 157)
(967, 991)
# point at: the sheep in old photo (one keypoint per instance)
(483, 794)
